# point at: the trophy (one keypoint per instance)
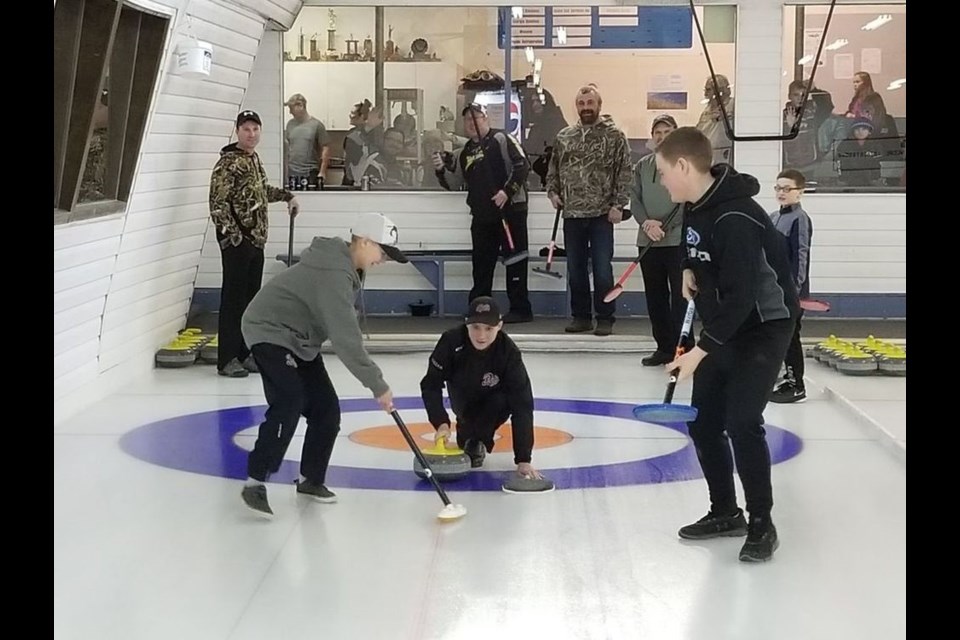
(331, 33)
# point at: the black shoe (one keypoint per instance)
(788, 392)
(513, 318)
(604, 327)
(657, 358)
(761, 542)
(251, 365)
(476, 451)
(579, 325)
(714, 526)
(315, 490)
(233, 369)
(255, 498)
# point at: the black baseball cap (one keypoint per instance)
(484, 310)
(664, 118)
(478, 109)
(246, 116)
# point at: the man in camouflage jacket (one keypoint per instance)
(239, 195)
(589, 176)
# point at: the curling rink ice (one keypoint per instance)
(152, 541)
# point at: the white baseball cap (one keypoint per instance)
(380, 229)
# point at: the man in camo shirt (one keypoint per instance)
(590, 176)
(239, 195)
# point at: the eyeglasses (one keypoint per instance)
(780, 189)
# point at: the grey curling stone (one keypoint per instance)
(517, 483)
(176, 358)
(856, 366)
(208, 352)
(893, 366)
(446, 468)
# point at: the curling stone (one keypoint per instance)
(447, 464)
(182, 351)
(208, 352)
(856, 362)
(892, 361)
(820, 347)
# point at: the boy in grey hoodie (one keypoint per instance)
(285, 325)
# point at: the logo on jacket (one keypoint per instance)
(490, 380)
(693, 239)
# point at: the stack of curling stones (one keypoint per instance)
(861, 358)
(183, 350)
(208, 352)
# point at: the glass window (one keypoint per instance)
(852, 131)
(106, 60)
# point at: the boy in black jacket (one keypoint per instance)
(737, 271)
(494, 168)
(487, 384)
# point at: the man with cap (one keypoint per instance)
(239, 195)
(306, 143)
(286, 324)
(662, 274)
(487, 383)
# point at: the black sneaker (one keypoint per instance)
(251, 365)
(515, 318)
(255, 498)
(787, 392)
(317, 491)
(233, 369)
(604, 327)
(761, 542)
(714, 526)
(579, 325)
(476, 451)
(657, 358)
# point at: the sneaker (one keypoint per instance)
(255, 498)
(317, 491)
(787, 392)
(761, 542)
(514, 318)
(657, 358)
(604, 327)
(714, 526)
(233, 369)
(251, 365)
(476, 451)
(579, 325)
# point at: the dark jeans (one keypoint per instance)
(489, 240)
(242, 275)
(480, 420)
(730, 391)
(294, 387)
(589, 239)
(794, 359)
(662, 283)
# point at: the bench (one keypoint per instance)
(431, 263)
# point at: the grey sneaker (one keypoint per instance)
(251, 365)
(761, 541)
(317, 491)
(255, 498)
(579, 325)
(233, 369)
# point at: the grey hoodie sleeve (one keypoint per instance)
(636, 195)
(335, 309)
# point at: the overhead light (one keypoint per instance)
(536, 78)
(537, 65)
(877, 22)
(562, 35)
(705, 101)
(517, 12)
(897, 84)
(839, 43)
(530, 55)
(804, 60)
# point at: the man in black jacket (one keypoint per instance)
(487, 384)
(736, 269)
(494, 168)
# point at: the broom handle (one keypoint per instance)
(423, 461)
(684, 334)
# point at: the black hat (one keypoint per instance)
(478, 109)
(484, 310)
(246, 116)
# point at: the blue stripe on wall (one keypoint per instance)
(554, 303)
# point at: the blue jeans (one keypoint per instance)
(589, 239)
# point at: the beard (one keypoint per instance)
(588, 117)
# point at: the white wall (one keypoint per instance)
(123, 283)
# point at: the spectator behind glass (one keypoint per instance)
(711, 120)
(802, 150)
(864, 96)
(355, 144)
(859, 155)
